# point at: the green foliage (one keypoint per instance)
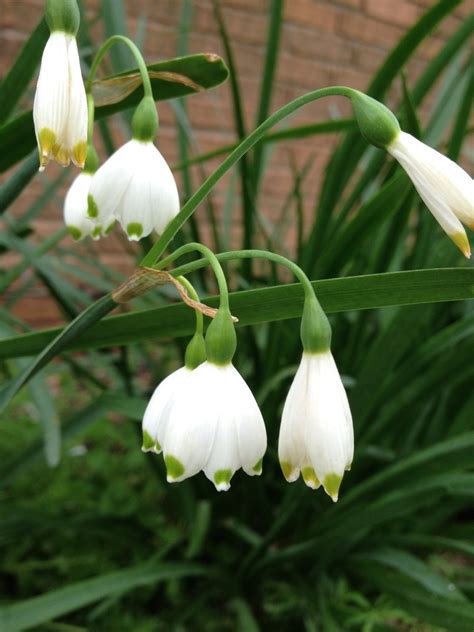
(91, 535)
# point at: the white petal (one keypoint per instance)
(328, 434)
(292, 452)
(151, 200)
(111, 181)
(164, 193)
(240, 439)
(75, 207)
(446, 189)
(77, 115)
(190, 430)
(159, 407)
(51, 104)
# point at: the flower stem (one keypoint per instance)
(245, 254)
(209, 259)
(195, 296)
(117, 39)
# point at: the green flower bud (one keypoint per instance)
(62, 15)
(195, 352)
(376, 122)
(315, 328)
(145, 121)
(221, 340)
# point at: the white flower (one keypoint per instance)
(446, 189)
(60, 107)
(136, 187)
(215, 426)
(75, 209)
(157, 412)
(316, 434)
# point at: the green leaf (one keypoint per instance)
(32, 612)
(414, 568)
(176, 77)
(262, 305)
(16, 81)
(429, 608)
(12, 188)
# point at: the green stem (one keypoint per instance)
(174, 226)
(116, 39)
(244, 254)
(195, 296)
(210, 258)
(90, 118)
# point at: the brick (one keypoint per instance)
(400, 12)
(317, 15)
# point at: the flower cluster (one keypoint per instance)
(206, 418)
(203, 417)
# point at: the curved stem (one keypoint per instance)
(210, 258)
(188, 209)
(246, 254)
(117, 39)
(195, 296)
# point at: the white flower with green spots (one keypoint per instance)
(60, 106)
(157, 413)
(316, 434)
(76, 218)
(214, 425)
(136, 187)
(445, 188)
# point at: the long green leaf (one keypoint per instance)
(32, 612)
(430, 608)
(262, 305)
(19, 76)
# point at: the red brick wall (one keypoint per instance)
(323, 42)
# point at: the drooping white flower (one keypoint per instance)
(75, 209)
(316, 434)
(136, 187)
(157, 413)
(215, 426)
(60, 106)
(446, 189)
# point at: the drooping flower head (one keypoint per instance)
(60, 105)
(135, 185)
(207, 418)
(316, 435)
(445, 188)
(76, 216)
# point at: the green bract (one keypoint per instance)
(376, 122)
(315, 328)
(221, 340)
(62, 15)
(145, 120)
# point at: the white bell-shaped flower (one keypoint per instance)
(76, 218)
(60, 106)
(136, 187)
(446, 189)
(157, 413)
(215, 426)
(316, 434)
